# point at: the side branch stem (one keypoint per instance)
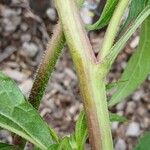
(112, 29)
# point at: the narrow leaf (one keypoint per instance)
(110, 58)
(54, 135)
(106, 15)
(135, 9)
(113, 85)
(81, 131)
(148, 2)
(68, 143)
(117, 118)
(138, 67)
(18, 116)
(54, 147)
(144, 142)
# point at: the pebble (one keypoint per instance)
(133, 130)
(86, 15)
(123, 64)
(7, 12)
(5, 136)
(50, 104)
(11, 19)
(121, 106)
(15, 1)
(73, 109)
(51, 14)
(134, 43)
(45, 111)
(24, 27)
(146, 123)
(71, 74)
(10, 48)
(26, 86)
(114, 126)
(30, 48)
(8, 51)
(15, 75)
(131, 107)
(142, 111)
(11, 24)
(120, 145)
(25, 37)
(138, 95)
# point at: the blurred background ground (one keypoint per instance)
(23, 39)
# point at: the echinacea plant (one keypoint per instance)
(19, 114)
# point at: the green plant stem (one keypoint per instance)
(47, 65)
(91, 79)
(112, 29)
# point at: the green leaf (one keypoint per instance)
(81, 131)
(135, 9)
(68, 143)
(106, 15)
(36, 148)
(54, 135)
(54, 147)
(144, 142)
(113, 85)
(110, 58)
(148, 2)
(18, 116)
(138, 67)
(78, 140)
(117, 118)
(4, 146)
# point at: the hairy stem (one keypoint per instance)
(47, 65)
(112, 29)
(91, 79)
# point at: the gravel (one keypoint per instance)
(120, 106)
(133, 130)
(25, 37)
(11, 19)
(134, 43)
(3, 135)
(51, 13)
(131, 107)
(120, 145)
(30, 48)
(26, 86)
(15, 75)
(138, 95)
